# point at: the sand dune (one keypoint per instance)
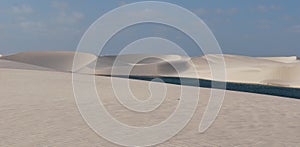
(291, 59)
(38, 108)
(244, 69)
(8, 64)
(241, 69)
(283, 71)
(62, 61)
(147, 65)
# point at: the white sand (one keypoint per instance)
(291, 59)
(62, 61)
(283, 71)
(37, 106)
(261, 71)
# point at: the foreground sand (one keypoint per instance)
(37, 108)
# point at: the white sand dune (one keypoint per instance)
(62, 61)
(38, 108)
(240, 69)
(8, 64)
(282, 71)
(142, 65)
(291, 59)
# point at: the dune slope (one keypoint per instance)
(242, 69)
(62, 61)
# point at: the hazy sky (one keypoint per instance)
(254, 28)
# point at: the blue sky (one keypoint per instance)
(252, 28)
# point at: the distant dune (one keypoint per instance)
(271, 71)
(143, 65)
(291, 59)
(62, 61)
(283, 71)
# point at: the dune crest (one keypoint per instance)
(142, 65)
(291, 59)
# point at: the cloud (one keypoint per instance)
(262, 8)
(22, 20)
(295, 29)
(65, 15)
(219, 11)
(63, 18)
(31, 26)
(22, 9)
(72, 18)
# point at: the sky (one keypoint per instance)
(250, 28)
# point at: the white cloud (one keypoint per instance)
(72, 18)
(65, 15)
(295, 29)
(22, 21)
(263, 8)
(22, 9)
(31, 25)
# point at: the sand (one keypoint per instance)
(38, 108)
(291, 59)
(62, 61)
(282, 71)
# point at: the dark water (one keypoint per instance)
(251, 88)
